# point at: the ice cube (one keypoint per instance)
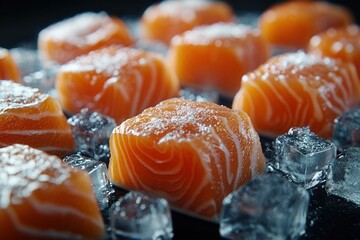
(344, 175)
(347, 129)
(152, 46)
(43, 79)
(249, 18)
(268, 207)
(138, 216)
(303, 156)
(92, 131)
(27, 59)
(199, 95)
(98, 174)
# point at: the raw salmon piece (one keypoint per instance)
(342, 43)
(65, 40)
(293, 23)
(30, 117)
(191, 153)
(116, 81)
(44, 198)
(164, 20)
(8, 68)
(217, 56)
(297, 90)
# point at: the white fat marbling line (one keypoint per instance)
(38, 116)
(240, 152)
(139, 85)
(218, 144)
(323, 92)
(112, 82)
(313, 94)
(282, 100)
(255, 151)
(352, 91)
(138, 101)
(235, 140)
(196, 191)
(120, 156)
(85, 195)
(183, 185)
(21, 227)
(266, 102)
(36, 132)
(150, 92)
(54, 209)
(144, 163)
(299, 113)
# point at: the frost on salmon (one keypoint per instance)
(28, 116)
(297, 90)
(217, 56)
(342, 43)
(80, 34)
(116, 81)
(162, 21)
(43, 198)
(191, 153)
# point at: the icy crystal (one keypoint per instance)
(98, 174)
(199, 95)
(303, 156)
(347, 129)
(92, 131)
(268, 207)
(152, 46)
(27, 59)
(43, 79)
(344, 175)
(138, 216)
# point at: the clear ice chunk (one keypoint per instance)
(27, 59)
(43, 79)
(303, 156)
(347, 130)
(138, 216)
(343, 179)
(152, 46)
(199, 95)
(249, 18)
(92, 131)
(98, 174)
(268, 207)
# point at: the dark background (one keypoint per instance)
(21, 21)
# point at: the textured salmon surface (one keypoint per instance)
(297, 90)
(191, 153)
(164, 20)
(293, 23)
(8, 68)
(115, 81)
(65, 40)
(30, 117)
(43, 198)
(342, 43)
(217, 56)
